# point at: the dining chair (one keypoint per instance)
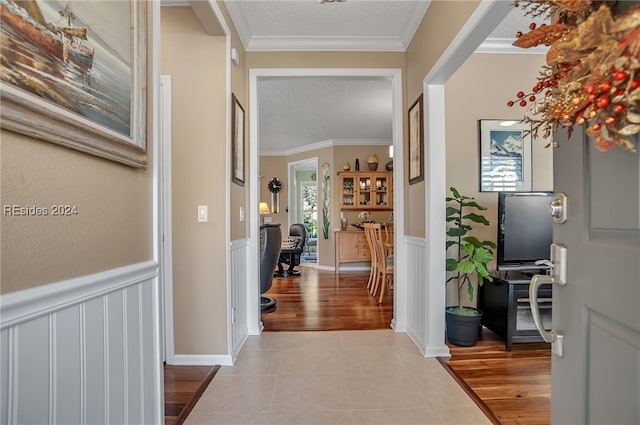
(370, 234)
(383, 247)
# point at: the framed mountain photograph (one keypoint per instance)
(505, 156)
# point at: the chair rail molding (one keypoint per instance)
(83, 350)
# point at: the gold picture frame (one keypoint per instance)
(237, 141)
(416, 142)
(73, 79)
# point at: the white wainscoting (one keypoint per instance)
(85, 350)
(416, 290)
(238, 314)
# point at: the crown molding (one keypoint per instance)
(325, 43)
(174, 3)
(419, 10)
(326, 144)
(505, 46)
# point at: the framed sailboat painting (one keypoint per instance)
(74, 73)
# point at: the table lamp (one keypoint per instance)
(263, 209)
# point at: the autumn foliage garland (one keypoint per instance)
(591, 77)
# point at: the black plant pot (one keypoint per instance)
(463, 330)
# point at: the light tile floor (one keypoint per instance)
(323, 378)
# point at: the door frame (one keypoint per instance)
(394, 75)
(480, 24)
(165, 239)
(292, 194)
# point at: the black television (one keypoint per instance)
(525, 230)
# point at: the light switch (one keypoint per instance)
(241, 213)
(268, 219)
(203, 213)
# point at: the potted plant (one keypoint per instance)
(470, 258)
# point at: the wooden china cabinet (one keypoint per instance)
(360, 191)
(370, 191)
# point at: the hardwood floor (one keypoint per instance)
(183, 386)
(320, 300)
(515, 385)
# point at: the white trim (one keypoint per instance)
(293, 194)
(354, 268)
(166, 231)
(158, 328)
(254, 323)
(327, 144)
(411, 26)
(395, 76)
(435, 217)
(203, 360)
(28, 304)
(400, 300)
(319, 267)
(505, 46)
(481, 23)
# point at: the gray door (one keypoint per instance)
(597, 380)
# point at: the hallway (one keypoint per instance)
(344, 377)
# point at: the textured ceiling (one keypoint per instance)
(296, 111)
(310, 25)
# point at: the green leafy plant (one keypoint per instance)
(470, 254)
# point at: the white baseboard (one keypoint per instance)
(398, 326)
(202, 360)
(436, 352)
(354, 268)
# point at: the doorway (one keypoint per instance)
(303, 204)
(394, 77)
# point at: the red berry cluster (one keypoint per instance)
(604, 101)
(543, 87)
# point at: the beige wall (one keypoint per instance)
(196, 63)
(239, 87)
(325, 60)
(441, 23)
(113, 226)
(270, 167)
(480, 90)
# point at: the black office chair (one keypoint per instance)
(292, 250)
(270, 242)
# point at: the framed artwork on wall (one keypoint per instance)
(237, 141)
(505, 156)
(75, 74)
(416, 142)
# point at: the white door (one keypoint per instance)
(597, 381)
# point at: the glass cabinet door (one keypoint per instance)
(348, 191)
(364, 191)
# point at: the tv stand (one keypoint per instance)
(506, 308)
